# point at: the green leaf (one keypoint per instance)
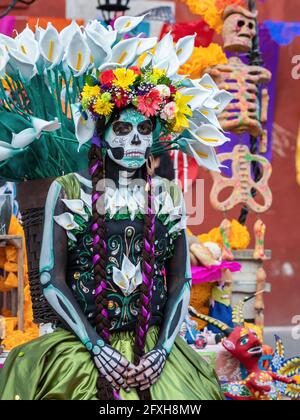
(91, 80)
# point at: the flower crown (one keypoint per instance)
(53, 86)
(149, 90)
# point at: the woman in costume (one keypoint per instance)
(114, 262)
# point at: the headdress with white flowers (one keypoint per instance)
(54, 85)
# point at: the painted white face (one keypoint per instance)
(130, 139)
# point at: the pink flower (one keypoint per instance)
(150, 103)
(168, 112)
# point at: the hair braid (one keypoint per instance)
(97, 170)
(147, 285)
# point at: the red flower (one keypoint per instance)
(149, 104)
(136, 70)
(120, 98)
(107, 77)
(173, 90)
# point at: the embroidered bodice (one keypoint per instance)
(124, 239)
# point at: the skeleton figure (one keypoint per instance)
(239, 29)
(243, 114)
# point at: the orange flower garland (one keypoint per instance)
(201, 59)
(211, 10)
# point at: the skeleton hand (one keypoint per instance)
(113, 366)
(148, 371)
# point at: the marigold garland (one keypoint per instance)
(201, 59)
(239, 238)
(211, 10)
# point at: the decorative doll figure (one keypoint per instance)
(239, 29)
(114, 261)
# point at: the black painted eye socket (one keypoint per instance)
(241, 23)
(145, 127)
(122, 128)
(251, 25)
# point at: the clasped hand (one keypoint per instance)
(123, 374)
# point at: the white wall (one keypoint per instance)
(83, 9)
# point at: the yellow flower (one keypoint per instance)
(201, 59)
(156, 75)
(102, 107)
(182, 111)
(90, 91)
(124, 78)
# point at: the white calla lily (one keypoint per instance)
(40, 125)
(146, 44)
(87, 199)
(76, 206)
(204, 155)
(22, 64)
(129, 278)
(170, 64)
(26, 33)
(207, 82)
(124, 53)
(68, 32)
(7, 151)
(39, 33)
(200, 95)
(107, 33)
(50, 47)
(147, 60)
(84, 129)
(164, 49)
(66, 221)
(125, 24)
(4, 58)
(223, 98)
(100, 50)
(23, 139)
(78, 55)
(29, 47)
(204, 116)
(209, 135)
(8, 42)
(185, 48)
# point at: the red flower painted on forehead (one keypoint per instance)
(107, 77)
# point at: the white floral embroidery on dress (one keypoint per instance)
(129, 277)
(132, 200)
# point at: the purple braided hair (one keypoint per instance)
(147, 285)
(97, 171)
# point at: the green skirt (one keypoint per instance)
(58, 367)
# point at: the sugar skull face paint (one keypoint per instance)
(130, 139)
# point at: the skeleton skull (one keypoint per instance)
(129, 139)
(239, 29)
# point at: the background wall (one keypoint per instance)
(283, 220)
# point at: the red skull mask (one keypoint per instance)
(244, 345)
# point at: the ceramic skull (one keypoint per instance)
(129, 139)
(239, 29)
